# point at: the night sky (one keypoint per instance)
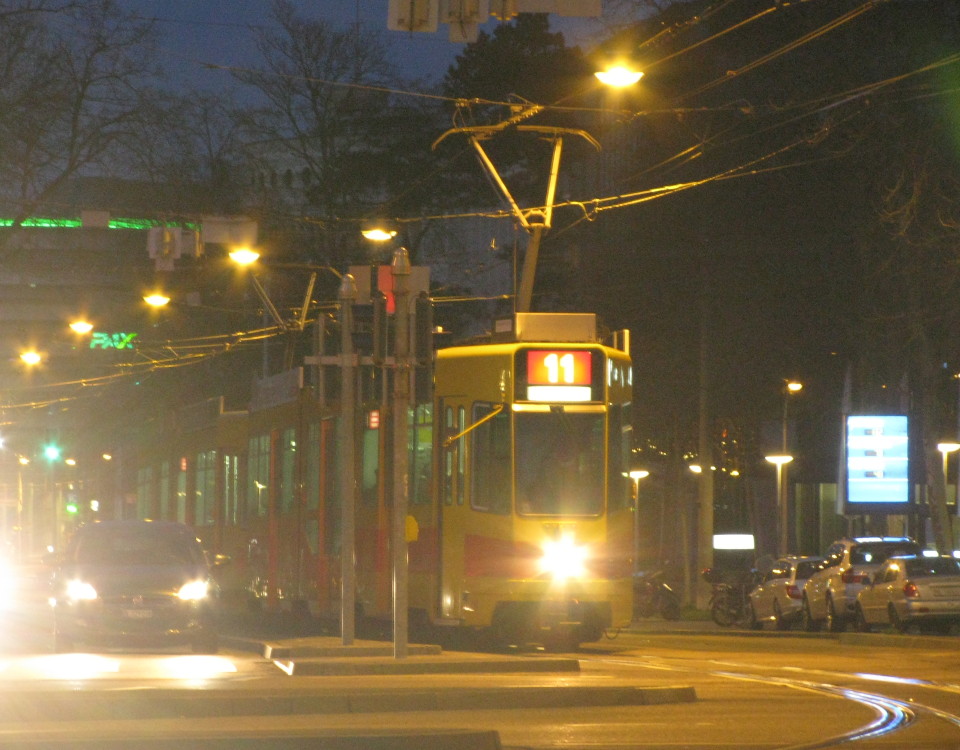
(218, 32)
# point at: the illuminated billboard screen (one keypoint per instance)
(878, 461)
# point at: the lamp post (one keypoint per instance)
(790, 388)
(780, 461)
(946, 448)
(636, 475)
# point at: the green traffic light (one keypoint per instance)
(71, 508)
(51, 452)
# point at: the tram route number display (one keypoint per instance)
(559, 375)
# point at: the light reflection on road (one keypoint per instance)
(81, 666)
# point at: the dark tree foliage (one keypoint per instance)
(522, 63)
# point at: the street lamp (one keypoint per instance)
(780, 461)
(790, 388)
(156, 299)
(636, 475)
(618, 76)
(946, 448)
(31, 357)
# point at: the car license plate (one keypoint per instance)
(138, 614)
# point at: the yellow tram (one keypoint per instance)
(530, 530)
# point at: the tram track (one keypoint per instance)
(890, 714)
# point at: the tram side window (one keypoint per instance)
(369, 465)
(288, 457)
(205, 491)
(490, 460)
(422, 459)
(145, 495)
(453, 458)
(165, 488)
(182, 492)
(230, 466)
(461, 458)
(258, 476)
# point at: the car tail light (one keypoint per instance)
(794, 591)
(910, 590)
(852, 576)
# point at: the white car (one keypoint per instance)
(911, 590)
(830, 594)
(779, 595)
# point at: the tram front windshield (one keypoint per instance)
(559, 463)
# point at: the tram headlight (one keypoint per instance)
(194, 591)
(563, 558)
(80, 591)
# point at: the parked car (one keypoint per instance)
(134, 583)
(911, 590)
(830, 594)
(779, 595)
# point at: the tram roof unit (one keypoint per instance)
(580, 328)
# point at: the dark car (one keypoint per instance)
(134, 583)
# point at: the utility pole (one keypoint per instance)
(347, 473)
(401, 401)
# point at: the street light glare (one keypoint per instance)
(948, 447)
(618, 76)
(779, 460)
(157, 299)
(379, 235)
(794, 385)
(81, 326)
(244, 256)
(31, 357)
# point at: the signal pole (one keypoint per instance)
(401, 401)
(348, 479)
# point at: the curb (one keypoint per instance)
(145, 739)
(36, 707)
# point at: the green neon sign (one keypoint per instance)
(101, 340)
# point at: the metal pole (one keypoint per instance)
(401, 401)
(348, 479)
(784, 517)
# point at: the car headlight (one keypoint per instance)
(563, 558)
(80, 591)
(194, 591)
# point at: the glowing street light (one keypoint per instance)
(31, 357)
(378, 234)
(81, 327)
(156, 299)
(618, 76)
(244, 256)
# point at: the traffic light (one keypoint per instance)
(71, 508)
(51, 452)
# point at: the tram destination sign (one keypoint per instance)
(562, 375)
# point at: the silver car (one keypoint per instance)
(911, 590)
(779, 595)
(830, 594)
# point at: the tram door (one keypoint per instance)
(452, 512)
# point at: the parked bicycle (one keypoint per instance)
(730, 597)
